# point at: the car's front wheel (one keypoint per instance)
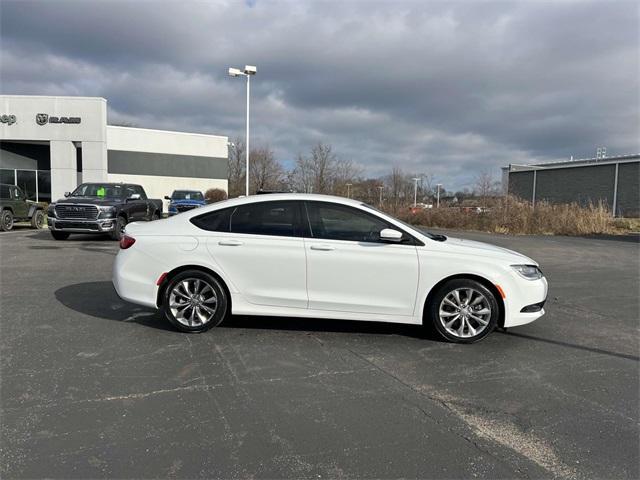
(6, 220)
(464, 311)
(194, 301)
(37, 220)
(118, 228)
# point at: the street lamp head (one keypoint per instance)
(250, 69)
(235, 72)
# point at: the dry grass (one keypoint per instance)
(514, 216)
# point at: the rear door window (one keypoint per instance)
(267, 218)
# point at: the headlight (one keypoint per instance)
(530, 272)
(107, 212)
(51, 210)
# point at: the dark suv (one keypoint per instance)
(14, 207)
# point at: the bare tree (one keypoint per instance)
(486, 186)
(322, 171)
(265, 173)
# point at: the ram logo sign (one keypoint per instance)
(43, 119)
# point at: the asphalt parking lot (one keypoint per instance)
(92, 387)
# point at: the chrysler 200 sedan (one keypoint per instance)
(319, 256)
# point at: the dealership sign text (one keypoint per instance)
(43, 119)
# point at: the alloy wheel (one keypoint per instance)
(465, 312)
(193, 302)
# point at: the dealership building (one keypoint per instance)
(615, 181)
(49, 145)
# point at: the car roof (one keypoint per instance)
(286, 196)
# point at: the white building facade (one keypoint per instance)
(49, 145)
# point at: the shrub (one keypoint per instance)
(515, 216)
(214, 195)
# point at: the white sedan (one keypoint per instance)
(316, 256)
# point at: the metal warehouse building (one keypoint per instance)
(614, 180)
(49, 145)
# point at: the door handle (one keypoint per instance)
(323, 248)
(230, 243)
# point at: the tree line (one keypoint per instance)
(323, 171)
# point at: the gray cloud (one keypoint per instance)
(445, 88)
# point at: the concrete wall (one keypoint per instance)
(159, 160)
(91, 131)
(164, 161)
(583, 185)
(628, 204)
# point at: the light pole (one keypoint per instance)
(381, 187)
(438, 198)
(248, 71)
(349, 190)
(415, 192)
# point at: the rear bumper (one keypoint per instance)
(134, 277)
(82, 226)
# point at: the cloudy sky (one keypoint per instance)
(445, 88)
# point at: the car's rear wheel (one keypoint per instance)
(37, 220)
(6, 220)
(464, 311)
(59, 235)
(194, 301)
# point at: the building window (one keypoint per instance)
(44, 186)
(7, 176)
(27, 181)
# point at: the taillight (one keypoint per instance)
(126, 241)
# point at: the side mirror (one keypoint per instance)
(167, 197)
(390, 235)
(66, 194)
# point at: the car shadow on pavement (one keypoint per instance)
(100, 300)
(44, 234)
(329, 326)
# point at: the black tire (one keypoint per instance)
(6, 220)
(198, 325)
(59, 235)
(465, 322)
(155, 216)
(118, 230)
(37, 219)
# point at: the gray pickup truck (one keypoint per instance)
(101, 208)
(14, 207)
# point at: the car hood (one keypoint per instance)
(89, 200)
(472, 247)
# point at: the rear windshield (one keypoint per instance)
(187, 195)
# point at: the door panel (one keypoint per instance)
(260, 248)
(361, 277)
(350, 269)
(267, 270)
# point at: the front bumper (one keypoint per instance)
(102, 225)
(524, 301)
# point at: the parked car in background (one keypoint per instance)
(184, 200)
(101, 208)
(316, 256)
(15, 207)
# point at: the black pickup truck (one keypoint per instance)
(101, 208)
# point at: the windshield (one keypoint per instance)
(433, 236)
(187, 195)
(99, 190)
